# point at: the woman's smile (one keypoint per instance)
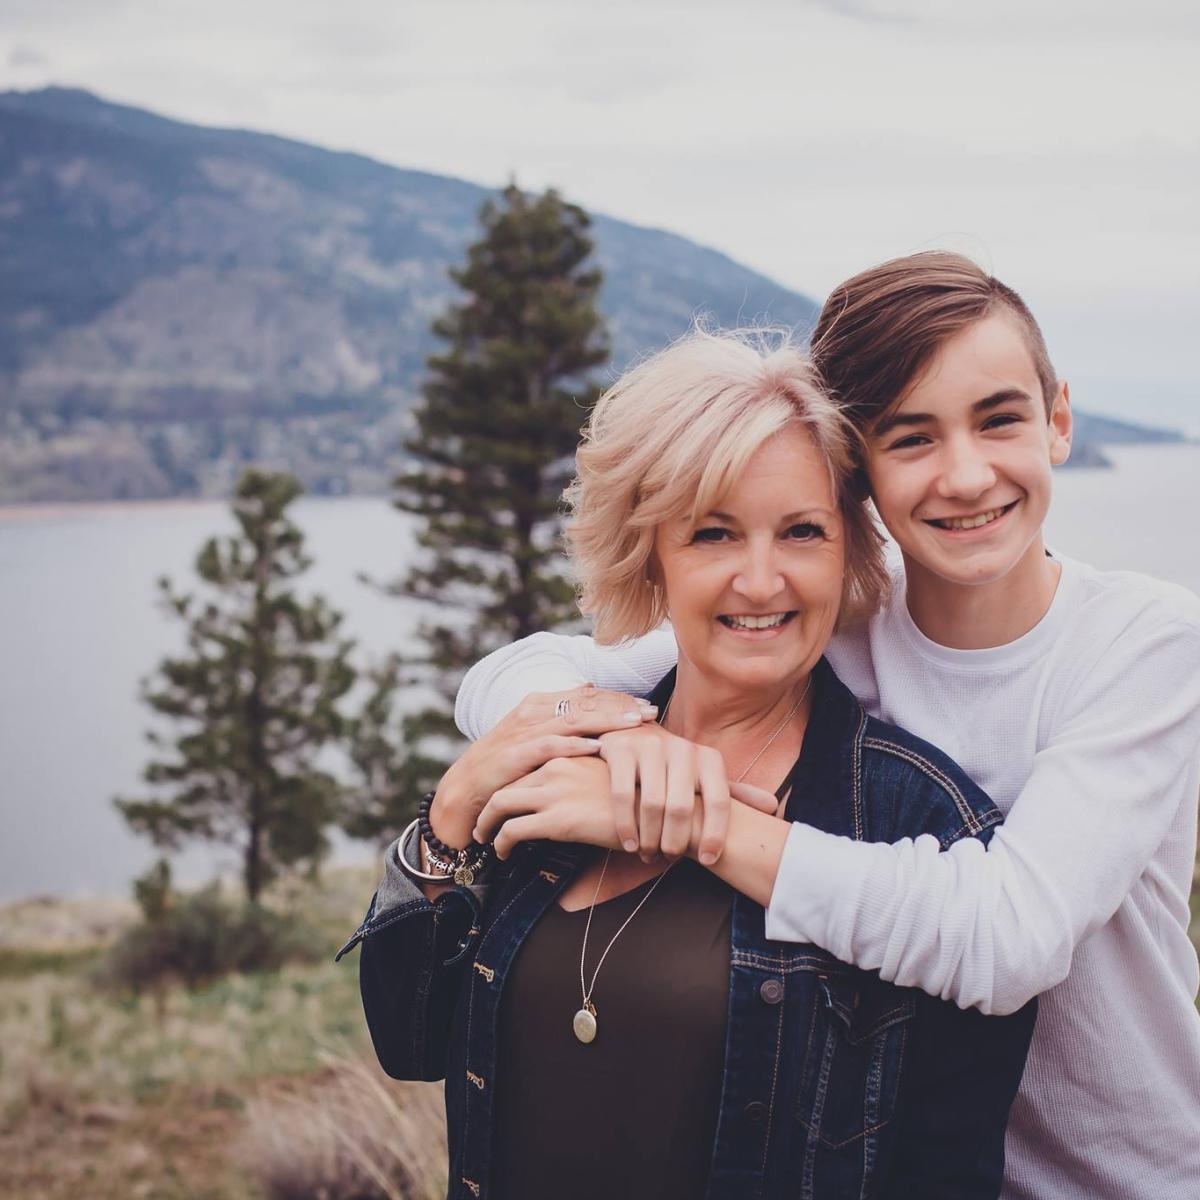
(753, 587)
(757, 627)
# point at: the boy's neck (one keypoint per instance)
(979, 616)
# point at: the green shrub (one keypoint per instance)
(202, 937)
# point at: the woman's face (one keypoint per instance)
(753, 589)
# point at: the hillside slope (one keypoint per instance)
(177, 301)
(172, 297)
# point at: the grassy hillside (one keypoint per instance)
(224, 1093)
(257, 1088)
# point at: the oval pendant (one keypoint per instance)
(464, 875)
(584, 1026)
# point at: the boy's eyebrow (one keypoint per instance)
(899, 420)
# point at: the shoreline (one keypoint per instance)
(49, 509)
(44, 510)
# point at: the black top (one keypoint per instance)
(634, 1113)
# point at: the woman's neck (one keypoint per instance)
(739, 722)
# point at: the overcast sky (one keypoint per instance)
(1057, 141)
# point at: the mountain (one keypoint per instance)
(1108, 431)
(177, 301)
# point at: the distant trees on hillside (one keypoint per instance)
(253, 700)
(260, 692)
(496, 431)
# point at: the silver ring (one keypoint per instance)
(563, 708)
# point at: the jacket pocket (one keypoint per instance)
(855, 1057)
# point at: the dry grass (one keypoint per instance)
(351, 1135)
(114, 1098)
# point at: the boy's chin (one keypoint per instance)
(975, 569)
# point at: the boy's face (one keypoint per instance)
(960, 467)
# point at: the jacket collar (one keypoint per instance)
(825, 780)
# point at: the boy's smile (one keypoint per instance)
(970, 522)
(960, 467)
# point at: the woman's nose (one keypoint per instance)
(758, 578)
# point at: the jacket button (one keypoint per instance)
(756, 1111)
(771, 991)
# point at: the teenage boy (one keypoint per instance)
(1071, 695)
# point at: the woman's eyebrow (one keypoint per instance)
(816, 510)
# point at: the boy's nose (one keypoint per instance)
(965, 474)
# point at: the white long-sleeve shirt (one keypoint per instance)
(1086, 733)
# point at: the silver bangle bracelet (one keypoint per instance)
(407, 867)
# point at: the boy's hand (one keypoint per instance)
(655, 779)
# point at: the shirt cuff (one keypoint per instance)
(813, 873)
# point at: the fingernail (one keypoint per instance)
(595, 743)
(647, 704)
(634, 718)
(630, 845)
(646, 858)
(475, 835)
(708, 858)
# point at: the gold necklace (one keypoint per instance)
(584, 1023)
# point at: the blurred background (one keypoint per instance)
(226, 242)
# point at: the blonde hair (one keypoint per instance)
(670, 438)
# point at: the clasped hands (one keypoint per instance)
(605, 774)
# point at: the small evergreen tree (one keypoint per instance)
(256, 698)
(496, 433)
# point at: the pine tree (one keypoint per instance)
(496, 432)
(255, 698)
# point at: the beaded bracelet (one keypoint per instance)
(466, 863)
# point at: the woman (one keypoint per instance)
(609, 1027)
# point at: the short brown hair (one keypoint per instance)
(670, 437)
(879, 329)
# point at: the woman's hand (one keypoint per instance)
(655, 779)
(529, 736)
(566, 800)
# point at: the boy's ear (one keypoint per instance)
(1060, 425)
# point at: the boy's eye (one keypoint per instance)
(711, 533)
(906, 443)
(1000, 420)
(806, 531)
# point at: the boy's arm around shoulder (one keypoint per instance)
(413, 958)
(552, 662)
(990, 927)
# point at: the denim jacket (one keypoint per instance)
(836, 1084)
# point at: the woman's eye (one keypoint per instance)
(713, 533)
(806, 532)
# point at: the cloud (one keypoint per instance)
(872, 14)
(26, 56)
(1056, 142)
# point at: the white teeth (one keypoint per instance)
(984, 518)
(757, 622)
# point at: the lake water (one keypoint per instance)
(79, 628)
